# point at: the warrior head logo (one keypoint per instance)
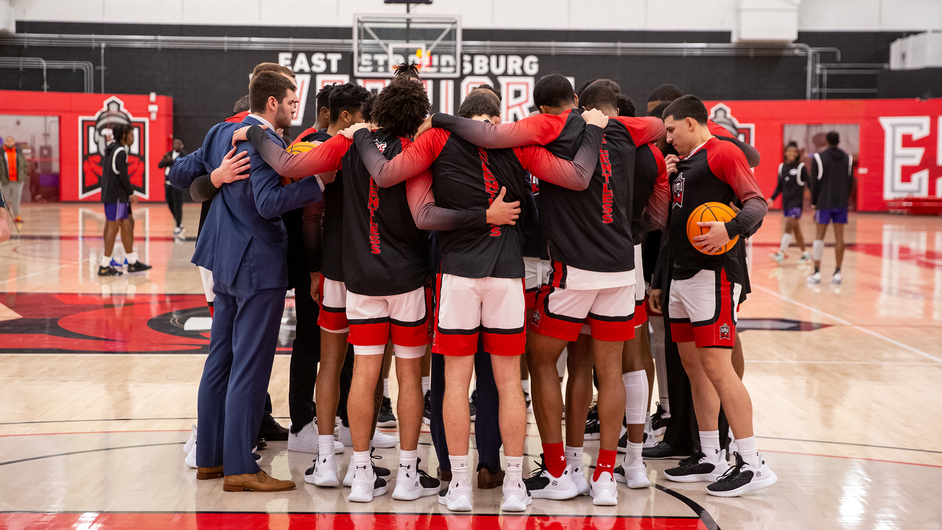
(677, 191)
(724, 332)
(94, 139)
(381, 146)
(721, 115)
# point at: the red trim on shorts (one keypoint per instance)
(409, 334)
(456, 344)
(332, 319)
(546, 324)
(505, 343)
(641, 312)
(558, 275)
(371, 333)
(529, 299)
(610, 331)
(682, 332)
(722, 332)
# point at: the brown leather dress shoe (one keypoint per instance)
(488, 480)
(259, 482)
(206, 473)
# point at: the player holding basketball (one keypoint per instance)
(704, 294)
(792, 179)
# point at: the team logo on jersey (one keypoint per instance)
(535, 319)
(93, 142)
(721, 115)
(724, 332)
(380, 145)
(677, 191)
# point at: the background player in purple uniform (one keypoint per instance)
(792, 179)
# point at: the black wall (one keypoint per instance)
(204, 84)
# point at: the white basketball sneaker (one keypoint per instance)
(305, 440)
(604, 491)
(324, 472)
(413, 483)
(191, 442)
(543, 485)
(366, 485)
(578, 477)
(742, 478)
(516, 496)
(457, 497)
(633, 474)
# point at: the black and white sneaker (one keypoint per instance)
(697, 468)
(528, 401)
(543, 485)
(137, 266)
(386, 417)
(659, 420)
(592, 429)
(427, 413)
(663, 450)
(109, 271)
(742, 478)
(473, 404)
(412, 483)
(623, 443)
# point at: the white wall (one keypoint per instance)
(816, 15)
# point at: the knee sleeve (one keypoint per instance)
(378, 349)
(636, 397)
(409, 352)
(817, 249)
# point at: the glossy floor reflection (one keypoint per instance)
(98, 381)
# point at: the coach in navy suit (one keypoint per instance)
(244, 244)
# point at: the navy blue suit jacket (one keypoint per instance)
(244, 241)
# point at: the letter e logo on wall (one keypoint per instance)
(896, 157)
(92, 147)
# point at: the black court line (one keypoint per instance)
(85, 452)
(701, 512)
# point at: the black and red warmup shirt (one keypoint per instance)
(312, 135)
(649, 164)
(717, 171)
(384, 253)
(332, 233)
(586, 231)
(792, 179)
(467, 177)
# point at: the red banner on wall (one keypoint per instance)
(899, 147)
(83, 121)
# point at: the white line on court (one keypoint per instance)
(855, 326)
(37, 273)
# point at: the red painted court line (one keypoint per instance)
(89, 432)
(854, 458)
(358, 521)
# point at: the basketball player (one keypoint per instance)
(831, 184)
(480, 287)
(589, 276)
(792, 179)
(705, 292)
(384, 261)
(118, 195)
(322, 123)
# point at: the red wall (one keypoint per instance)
(156, 136)
(900, 142)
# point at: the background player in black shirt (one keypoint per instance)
(792, 179)
(832, 180)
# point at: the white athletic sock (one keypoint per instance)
(748, 452)
(710, 444)
(361, 458)
(817, 249)
(408, 458)
(514, 467)
(131, 257)
(573, 456)
(325, 444)
(525, 383)
(106, 261)
(636, 396)
(459, 467)
(634, 451)
(665, 404)
(426, 383)
(386, 387)
(786, 240)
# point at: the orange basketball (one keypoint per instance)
(296, 149)
(711, 211)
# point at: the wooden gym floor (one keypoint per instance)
(98, 382)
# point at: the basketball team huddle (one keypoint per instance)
(462, 235)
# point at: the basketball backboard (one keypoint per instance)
(380, 42)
